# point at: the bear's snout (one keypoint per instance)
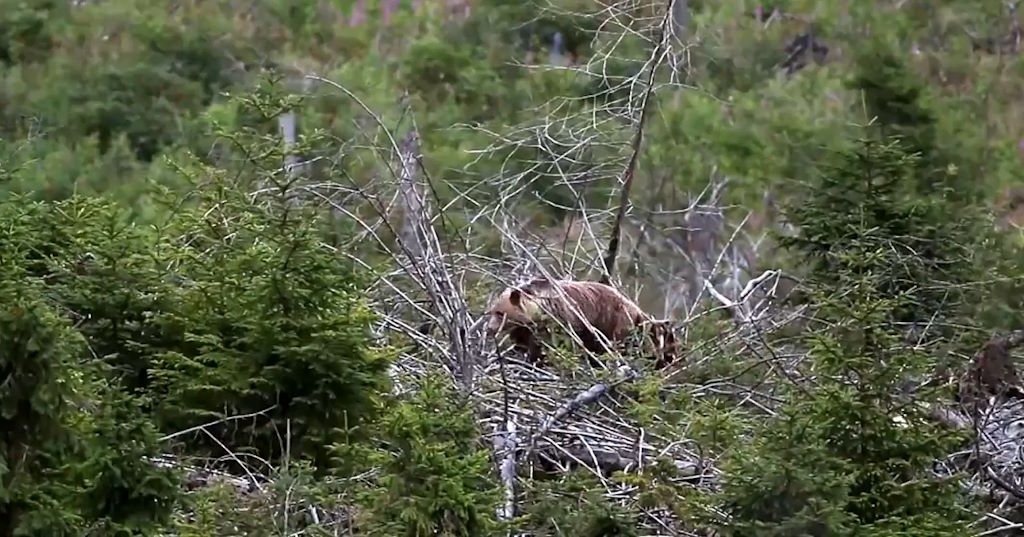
(494, 323)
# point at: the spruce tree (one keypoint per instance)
(850, 453)
(435, 476)
(76, 451)
(265, 320)
(899, 103)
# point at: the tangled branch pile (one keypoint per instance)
(293, 344)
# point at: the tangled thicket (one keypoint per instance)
(244, 253)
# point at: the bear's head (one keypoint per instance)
(513, 308)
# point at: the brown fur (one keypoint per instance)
(517, 310)
(1011, 209)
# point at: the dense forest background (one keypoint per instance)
(244, 247)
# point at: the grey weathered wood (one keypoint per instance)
(288, 125)
(680, 19)
(557, 55)
(286, 122)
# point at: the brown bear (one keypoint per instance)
(574, 304)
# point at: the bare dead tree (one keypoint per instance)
(689, 254)
(662, 34)
(556, 418)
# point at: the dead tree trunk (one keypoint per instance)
(428, 259)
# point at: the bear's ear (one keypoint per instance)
(515, 297)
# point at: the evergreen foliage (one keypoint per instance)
(197, 340)
(900, 104)
(849, 452)
(77, 452)
(231, 307)
(435, 477)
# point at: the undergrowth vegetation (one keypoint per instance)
(243, 247)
